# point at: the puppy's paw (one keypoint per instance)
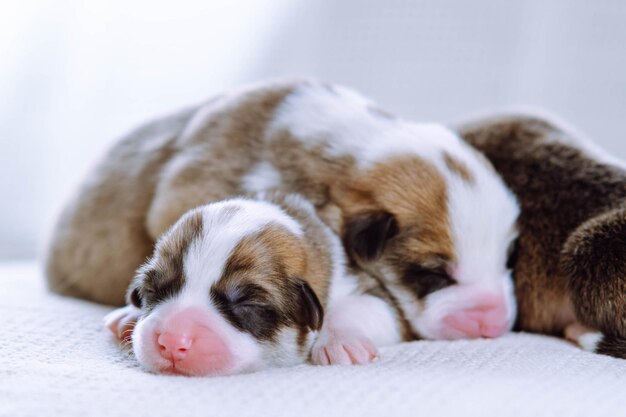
(583, 336)
(121, 322)
(343, 348)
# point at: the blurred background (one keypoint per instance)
(76, 75)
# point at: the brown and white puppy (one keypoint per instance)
(241, 285)
(417, 208)
(570, 263)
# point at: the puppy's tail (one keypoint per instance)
(612, 345)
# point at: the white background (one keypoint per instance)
(76, 75)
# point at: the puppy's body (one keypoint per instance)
(570, 266)
(243, 284)
(416, 207)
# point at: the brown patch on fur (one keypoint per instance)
(415, 193)
(267, 269)
(457, 167)
(571, 246)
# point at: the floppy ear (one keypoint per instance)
(311, 311)
(366, 235)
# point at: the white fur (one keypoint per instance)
(590, 341)
(314, 113)
(261, 177)
(285, 351)
(370, 316)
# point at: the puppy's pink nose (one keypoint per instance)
(174, 346)
(481, 321)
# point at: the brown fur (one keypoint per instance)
(415, 193)
(571, 257)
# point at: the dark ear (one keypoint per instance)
(366, 235)
(311, 311)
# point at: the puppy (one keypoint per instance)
(420, 211)
(570, 263)
(241, 285)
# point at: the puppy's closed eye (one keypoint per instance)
(247, 308)
(426, 281)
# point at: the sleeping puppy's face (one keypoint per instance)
(438, 233)
(225, 292)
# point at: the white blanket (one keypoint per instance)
(57, 360)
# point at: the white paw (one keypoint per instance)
(121, 322)
(343, 348)
(585, 337)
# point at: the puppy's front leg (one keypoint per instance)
(354, 327)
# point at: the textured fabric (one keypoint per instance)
(57, 360)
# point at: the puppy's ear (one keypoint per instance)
(311, 313)
(366, 235)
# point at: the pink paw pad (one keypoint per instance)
(343, 350)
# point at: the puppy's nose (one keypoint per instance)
(481, 321)
(174, 346)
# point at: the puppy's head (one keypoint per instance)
(437, 230)
(226, 292)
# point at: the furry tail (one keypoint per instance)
(612, 345)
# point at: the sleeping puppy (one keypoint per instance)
(241, 285)
(420, 211)
(570, 263)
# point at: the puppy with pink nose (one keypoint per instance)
(245, 284)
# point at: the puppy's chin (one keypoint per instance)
(207, 369)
